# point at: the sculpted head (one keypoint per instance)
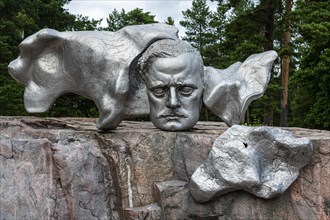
(173, 73)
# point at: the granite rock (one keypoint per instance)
(148, 212)
(63, 168)
(51, 172)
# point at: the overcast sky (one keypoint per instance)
(161, 8)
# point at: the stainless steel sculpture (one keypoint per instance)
(98, 65)
(173, 72)
(104, 67)
(261, 160)
(229, 92)
(146, 69)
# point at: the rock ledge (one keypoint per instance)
(63, 168)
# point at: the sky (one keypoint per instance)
(161, 8)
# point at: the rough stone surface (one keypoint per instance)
(63, 168)
(261, 160)
(50, 171)
(149, 212)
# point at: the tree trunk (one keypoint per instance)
(269, 25)
(269, 7)
(286, 65)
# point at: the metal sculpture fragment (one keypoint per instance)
(135, 71)
(98, 65)
(229, 92)
(261, 160)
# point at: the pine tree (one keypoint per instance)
(19, 19)
(84, 23)
(248, 29)
(286, 63)
(311, 97)
(215, 53)
(117, 20)
(169, 20)
(197, 23)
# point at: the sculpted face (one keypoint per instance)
(175, 88)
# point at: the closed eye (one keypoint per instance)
(186, 90)
(159, 91)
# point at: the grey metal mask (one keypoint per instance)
(173, 73)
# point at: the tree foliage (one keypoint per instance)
(19, 19)
(117, 20)
(169, 20)
(196, 21)
(311, 90)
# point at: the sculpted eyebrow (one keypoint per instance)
(159, 86)
(179, 84)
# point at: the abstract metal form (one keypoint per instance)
(98, 65)
(125, 71)
(229, 92)
(261, 160)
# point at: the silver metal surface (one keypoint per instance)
(104, 67)
(98, 65)
(261, 160)
(173, 72)
(229, 92)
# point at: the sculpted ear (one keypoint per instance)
(229, 92)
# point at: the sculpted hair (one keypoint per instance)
(164, 49)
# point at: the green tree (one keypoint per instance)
(237, 30)
(196, 21)
(84, 23)
(311, 90)
(249, 30)
(117, 20)
(216, 54)
(19, 19)
(169, 20)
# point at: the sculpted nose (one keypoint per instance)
(173, 101)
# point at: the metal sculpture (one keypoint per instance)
(106, 67)
(173, 73)
(261, 160)
(146, 69)
(98, 65)
(229, 92)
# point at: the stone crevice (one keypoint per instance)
(118, 204)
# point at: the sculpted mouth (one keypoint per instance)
(173, 116)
